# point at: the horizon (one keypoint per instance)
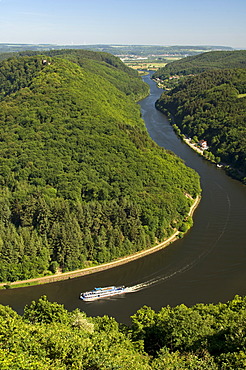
(117, 45)
(120, 45)
(123, 22)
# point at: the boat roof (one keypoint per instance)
(105, 289)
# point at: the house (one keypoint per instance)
(203, 144)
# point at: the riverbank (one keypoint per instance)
(193, 146)
(102, 267)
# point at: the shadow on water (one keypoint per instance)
(207, 265)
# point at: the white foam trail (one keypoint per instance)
(159, 279)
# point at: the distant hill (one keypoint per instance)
(203, 62)
(81, 180)
(212, 106)
(142, 50)
(104, 64)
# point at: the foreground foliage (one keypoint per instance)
(49, 337)
(81, 181)
(212, 106)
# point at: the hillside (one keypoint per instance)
(103, 64)
(48, 337)
(81, 181)
(203, 62)
(212, 106)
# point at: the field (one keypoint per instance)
(149, 64)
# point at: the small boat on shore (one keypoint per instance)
(98, 293)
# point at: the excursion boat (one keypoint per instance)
(98, 293)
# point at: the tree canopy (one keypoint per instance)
(203, 62)
(205, 336)
(212, 107)
(81, 181)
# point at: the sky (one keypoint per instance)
(130, 22)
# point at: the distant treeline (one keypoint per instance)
(81, 181)
(48, 337)
(143, 50)
(203, 62)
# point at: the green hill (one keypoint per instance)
(203, 62)
(212, 106)
(47, 337)
(102, 64)
(81, 181)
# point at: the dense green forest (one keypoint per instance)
(212, 106)
(103, 64)
(81, 181)
(202, 337)
(203, 62)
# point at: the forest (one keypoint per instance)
(81, 181)
(211, 106)
(48, 337)
(202, 62)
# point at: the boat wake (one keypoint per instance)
(159, 279)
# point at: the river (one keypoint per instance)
(208, 265)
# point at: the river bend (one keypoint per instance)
(208, 265)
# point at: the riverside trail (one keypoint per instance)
(105, 266)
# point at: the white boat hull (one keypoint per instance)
(100, 293)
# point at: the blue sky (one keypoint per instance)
(146, 22)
